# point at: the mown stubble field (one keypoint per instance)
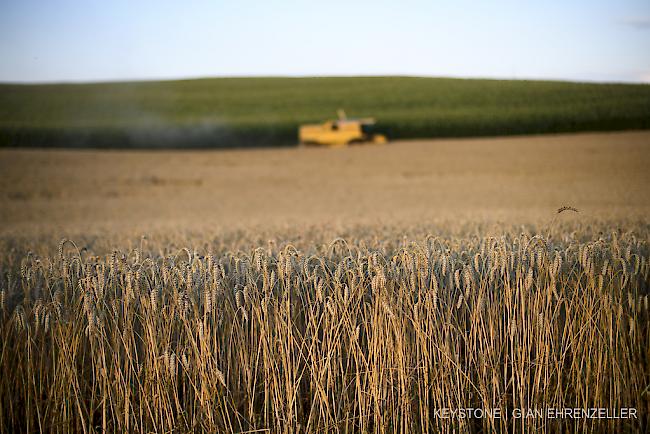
(501, 179)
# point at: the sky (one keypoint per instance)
(116, 40)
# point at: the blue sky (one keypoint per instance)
(91, 40)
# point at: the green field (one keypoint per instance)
(226, 112)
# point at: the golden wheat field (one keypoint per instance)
(370, 289)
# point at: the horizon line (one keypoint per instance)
(315, 76)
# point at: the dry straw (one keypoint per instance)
(369, 334)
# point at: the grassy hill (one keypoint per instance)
(226, 112)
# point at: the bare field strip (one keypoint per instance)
(402, 182)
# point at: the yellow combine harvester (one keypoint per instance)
(340, 132)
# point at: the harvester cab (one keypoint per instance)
(341, 132)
